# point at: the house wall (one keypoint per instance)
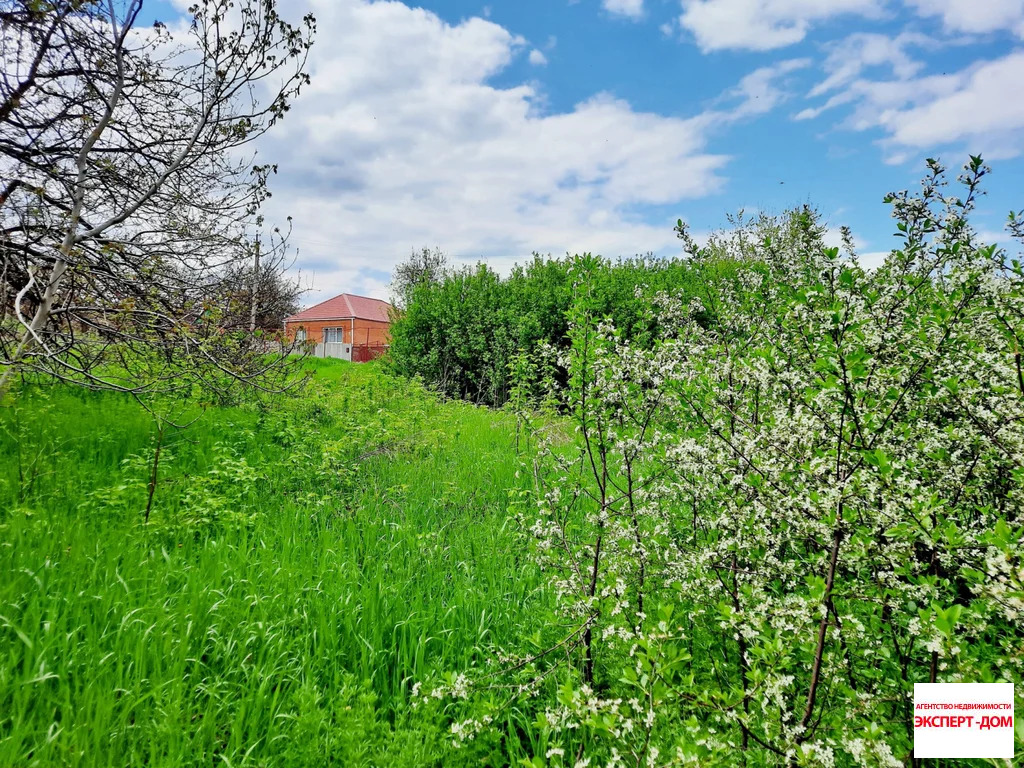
(371, 332)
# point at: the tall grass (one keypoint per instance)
(304, 565)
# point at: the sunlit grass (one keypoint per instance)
(303, 567)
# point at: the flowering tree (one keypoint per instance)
(805, 497)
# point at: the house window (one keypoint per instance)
(334, 335)
(300, 335)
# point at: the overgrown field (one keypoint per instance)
(303, 567)
(731, 527)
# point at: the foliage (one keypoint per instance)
(304, 563)
(804, 497)
(737, 505)
(129, 202)
(460, 333)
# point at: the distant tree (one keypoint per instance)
(128, 205)
(259, 296)
(423, 266)
(277, 297)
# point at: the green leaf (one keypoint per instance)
(946, 618)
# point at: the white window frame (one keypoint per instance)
(330, 338)
(300, 335)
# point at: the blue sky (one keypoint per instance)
(491, 130)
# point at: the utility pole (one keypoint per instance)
(255, 286)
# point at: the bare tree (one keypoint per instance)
(259, 295)
(423, 266)
(129, 198)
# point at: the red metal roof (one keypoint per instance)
(343, 307)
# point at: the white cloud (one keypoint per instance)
(762, 25)
(872, 259)
(975, 16)
(848, 58)
(537, 58)
(632, 8)
(402, 141)
(984, 109)
(975, 110)
(760, 91)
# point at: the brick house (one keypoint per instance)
(347, 326)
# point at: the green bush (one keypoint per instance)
(461, 331)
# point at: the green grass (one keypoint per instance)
(305, 564)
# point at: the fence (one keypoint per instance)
(357, 353)
(364, 353)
